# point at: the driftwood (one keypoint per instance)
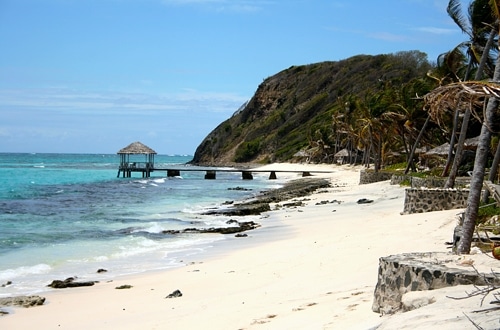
(491, 288)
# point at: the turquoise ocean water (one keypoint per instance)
(65, 215)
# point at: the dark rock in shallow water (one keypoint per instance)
(175, 294)
(241, 210)
(69, 283)
(242, 226)
(101, 270)
(239, 189)
(24, 301)
(257, 205)
(260, 204)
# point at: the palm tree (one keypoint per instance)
(478, 51)
(476, 24)
(482, 151)
(475, 94)
(476, 183)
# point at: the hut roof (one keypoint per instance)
(342, 153)
(137, 148)
(441, 150)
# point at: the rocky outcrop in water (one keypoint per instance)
(260, 204)
(240, 226)
(69, 283)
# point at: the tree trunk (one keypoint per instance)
(487, 48)
(477, 179)
(450, 182)
(417, 141)
(446, 169)
(493, 172)
(494, 166)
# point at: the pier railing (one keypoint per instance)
(137, 165)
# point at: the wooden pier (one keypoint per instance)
(246, 174)
(210, 172)
(137, 151)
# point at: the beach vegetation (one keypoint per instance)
(247, 150)
(487, 211)
(353, 103)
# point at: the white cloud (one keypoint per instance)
(436, 30)
(57, 100)
(246, 6)
(387, 36)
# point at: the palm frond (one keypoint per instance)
(495, 7)
(456, 13)
(459, 96)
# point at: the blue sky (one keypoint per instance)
(92, 76)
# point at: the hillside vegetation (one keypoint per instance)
(324, 107)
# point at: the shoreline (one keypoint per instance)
(312, 266)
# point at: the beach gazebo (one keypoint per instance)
(136, 157)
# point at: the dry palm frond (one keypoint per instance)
(459, 96)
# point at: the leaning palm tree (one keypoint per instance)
(477, 48)
(473, 94)
(479, 167)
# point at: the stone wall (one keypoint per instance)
(420, 200)
(428, 182)
(399, 274)
(425, 194)
(366, 177)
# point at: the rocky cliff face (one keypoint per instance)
(293, 107)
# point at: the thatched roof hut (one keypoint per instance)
(342, 157)
(130, 164)
(441, 150)
(137, 148)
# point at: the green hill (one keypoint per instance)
(296, 108)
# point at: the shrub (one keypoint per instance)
(247, 151)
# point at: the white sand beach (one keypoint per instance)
(308, 267)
